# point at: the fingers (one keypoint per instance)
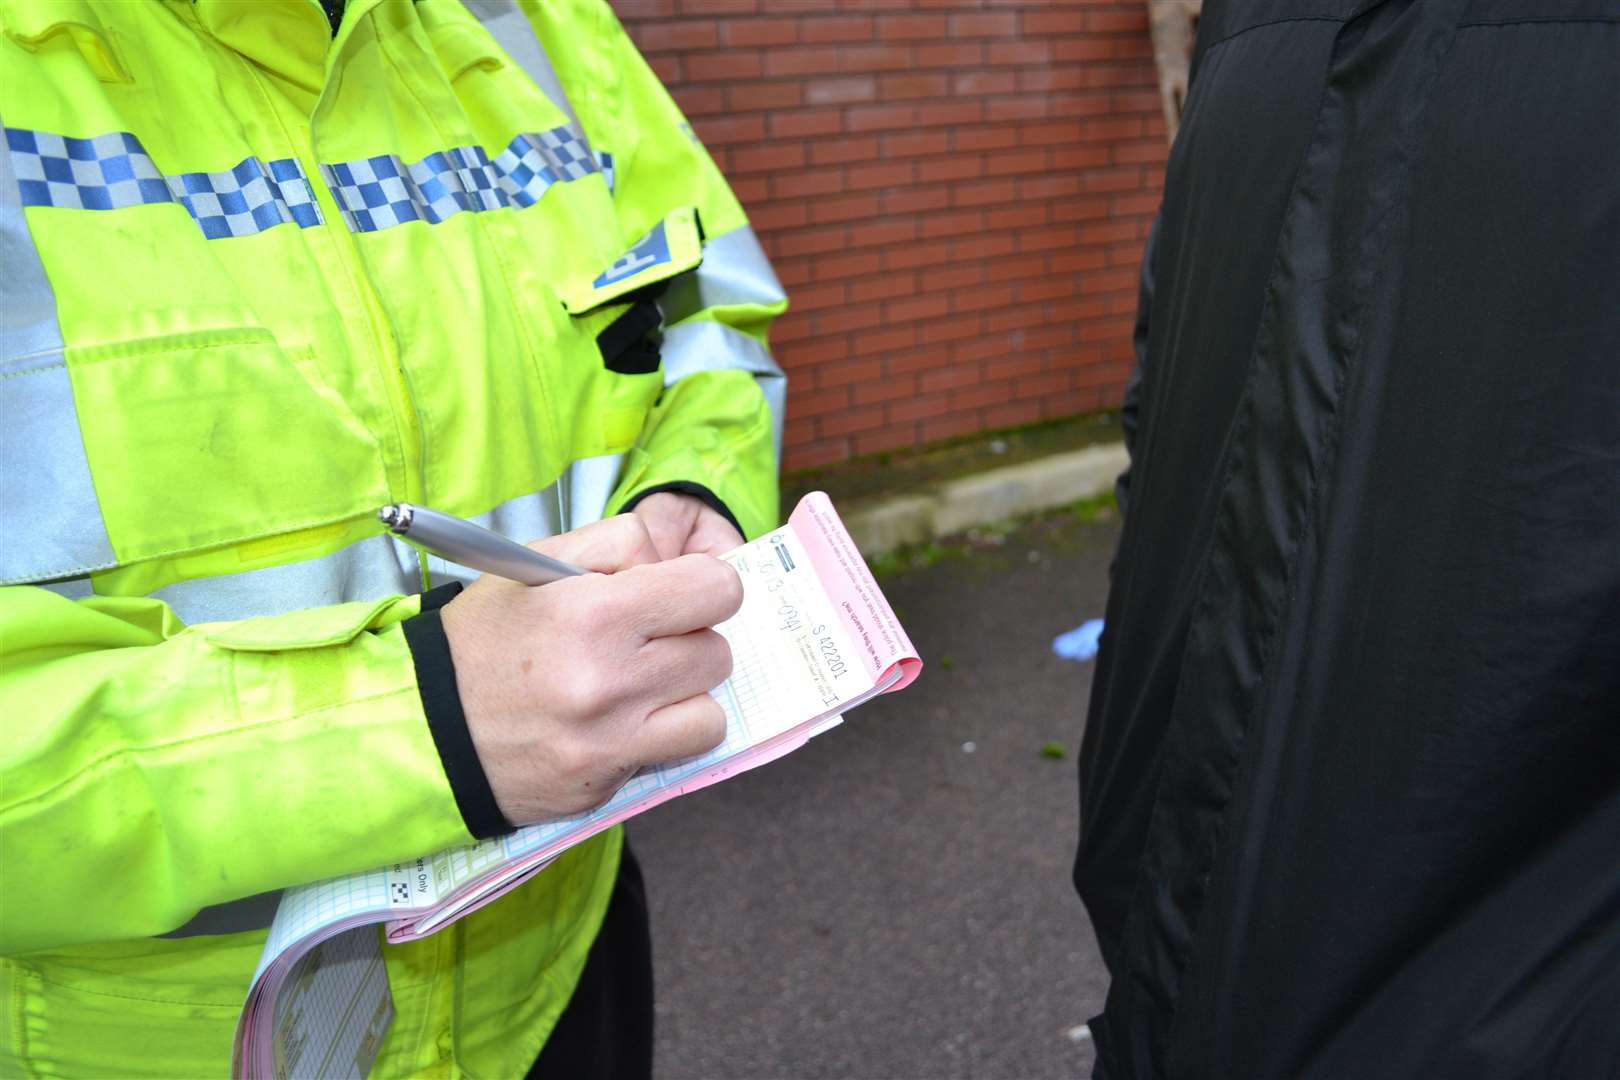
(676, 597)
(606, 546)
(682, 730)
(675, 668)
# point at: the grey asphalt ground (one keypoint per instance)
(887, 903)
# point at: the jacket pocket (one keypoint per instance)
(207, 439)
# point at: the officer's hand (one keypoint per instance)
(684, 524)
(571, 687)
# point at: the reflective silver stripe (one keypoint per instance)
(577, 498)
(235, 917)
(512, 30)
(705, 345)
(50, 518)
(371, 568)
(735, 271)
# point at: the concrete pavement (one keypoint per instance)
(893, 900)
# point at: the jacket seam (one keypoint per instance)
(1273, 22)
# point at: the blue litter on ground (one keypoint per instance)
(1079, 643)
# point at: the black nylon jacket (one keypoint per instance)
(1350, 783)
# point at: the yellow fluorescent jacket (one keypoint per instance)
(258, 281)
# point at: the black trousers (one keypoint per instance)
(607, 1029)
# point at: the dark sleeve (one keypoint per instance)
(1131, 406)
(441, 702)
(697, 491)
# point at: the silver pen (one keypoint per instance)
(461, 541)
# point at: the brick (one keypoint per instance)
(843, 150)
(1012, 318)
(1048, 289)
(1020, 53)
(913, 308)
(1128, 204)
(949, 377)
(1017, 217)
(724, 130)
(1007, 110)
(1112, 75)
(954, 276)
(984, 298)
(1110, 281)
(880, 175)
(1045, 23)
(855, 418)
(882, 233)
(954, 113)
(1118, 22)
(821, 402)
(1049, 186)
(845, 208)
(919, 408)
(844, 373)
(958, 167)
(1083, 209)
(884, 438)
(907, 87)
(1068, 262)
(926, 358)
(1151, 151)
(756, 32)
(715, 7)
(1079, 105)
(723, 65)
(678, 35)
(998, 24)
(822, 60)
(1104, 329)
(986, 138)
(916, 144)
(952, 224)
(1107, 232)
(1049, 134)
(955, 328)
(874, 58)
(1128, 101)
(1079, 157)
(914, 255)
(910, 27)
(767, 157)
(1045, 80)
(981, 394)
(750, 190)
(984, 82)
(984, 193)
(889, 388)
(799, 183)
(840, 267)
(643, 9)
(955, 54)
(1048, 238)
(839, 28)
(1068, 50)
(887, 287)
(746, 97)
(916, 200)
(806, 242)
(1015, 366)
(782, 215)
(1113, 128)
(840, 91)
(885, 341)
(819, 297)
(804, 123)
(982, 247)
(1123, 179)
(852, 317)
(880, 117)
(702, 100)
(667, 68)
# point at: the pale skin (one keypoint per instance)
(569, 688)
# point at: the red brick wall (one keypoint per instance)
(954, 192)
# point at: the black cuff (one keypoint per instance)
(441, 702)
(683, 487)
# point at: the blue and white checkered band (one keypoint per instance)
(607, 167)
(113, 171)
(383, 191)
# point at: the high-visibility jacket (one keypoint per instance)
(261, 278)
